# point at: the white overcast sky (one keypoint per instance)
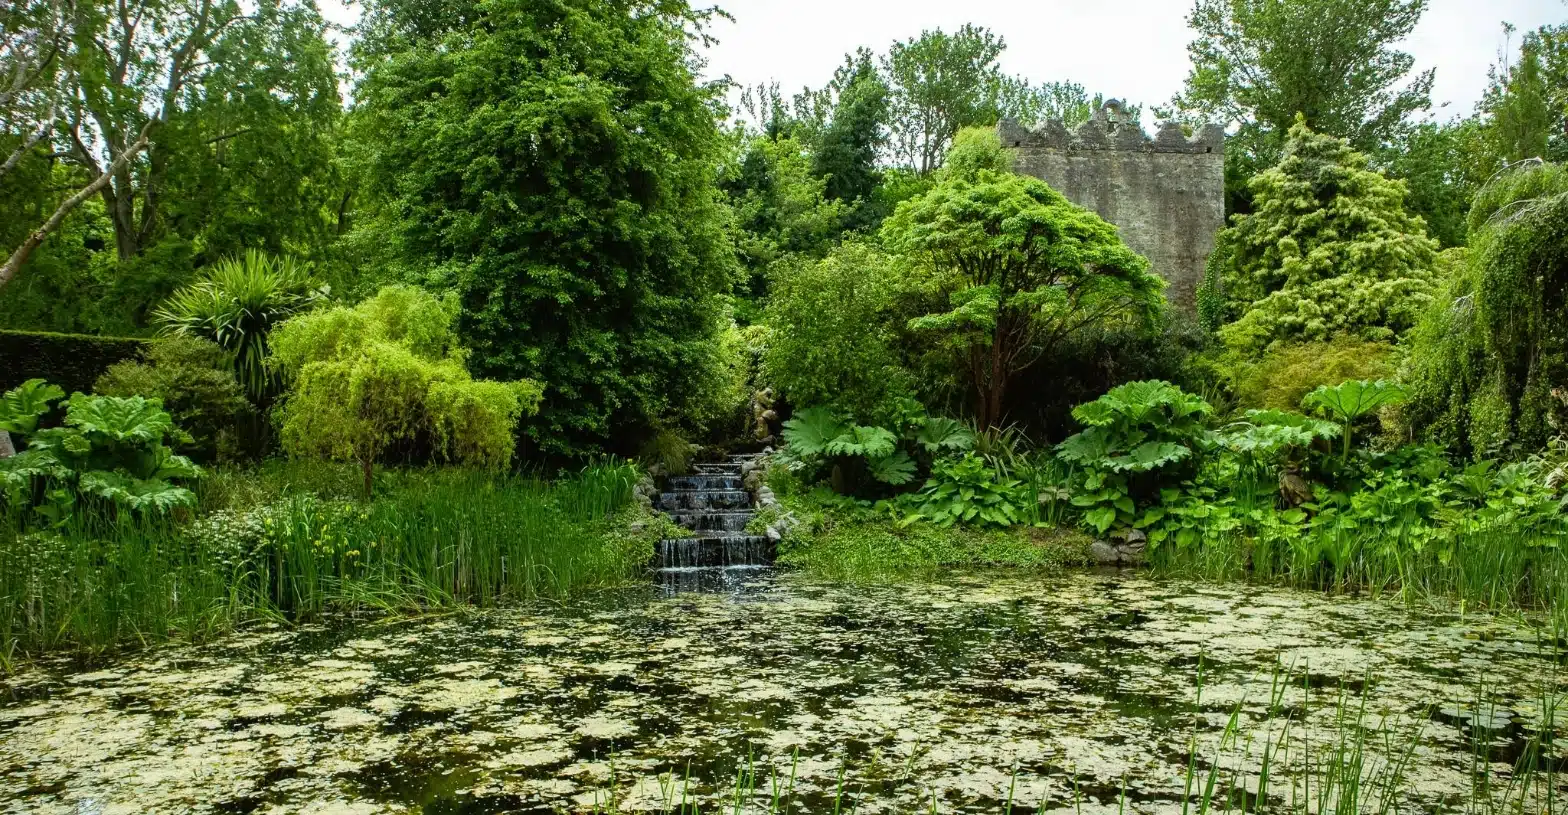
(1130, 49)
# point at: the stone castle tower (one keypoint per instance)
(1166, 194)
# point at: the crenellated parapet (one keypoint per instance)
(1112, 128)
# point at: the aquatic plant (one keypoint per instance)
(433, 539)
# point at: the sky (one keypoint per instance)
(1130, 49)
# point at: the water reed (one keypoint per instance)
(430, 539)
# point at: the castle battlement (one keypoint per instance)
(1111, 128)
(1166, 194)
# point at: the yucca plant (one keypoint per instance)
(235, 304)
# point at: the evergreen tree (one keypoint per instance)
(846, 152)
(1330, 250)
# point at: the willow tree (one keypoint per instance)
(388, 370)
(1021, 269)
(1330, 250)
(1488, 366)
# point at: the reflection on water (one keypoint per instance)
(960, 687)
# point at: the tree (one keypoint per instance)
(390, 370)
(554, 164)
(200, 126)
(779, 205)
(1330, 250)
(194, 380)
(1486, 367)
(1525, 108)
(941, 83)
(1259, 63)
(236, 304)
(846, 152)
(832, 336)
(1022, 270)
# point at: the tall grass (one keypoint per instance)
(432, 538)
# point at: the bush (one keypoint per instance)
(1329, 250)
(1288, 372)
(195, 381)
(72, 361)
(1488, 356)
(362, 378)
(832, 338)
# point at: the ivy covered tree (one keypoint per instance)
(1488, 366)
(391, 370)
(554, 164)
(1329, 250)
(1016, 269)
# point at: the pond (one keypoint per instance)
(1075, 692)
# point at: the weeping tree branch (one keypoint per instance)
(37, 236)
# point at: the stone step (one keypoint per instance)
(726, 550)
(678, 500)
(705, 482)
(733, 520)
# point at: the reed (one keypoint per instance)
(432, 538)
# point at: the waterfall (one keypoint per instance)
(715, 505)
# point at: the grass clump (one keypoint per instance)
(283, 543)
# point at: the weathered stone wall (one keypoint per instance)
(1166, 194)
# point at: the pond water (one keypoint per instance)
(962, 690)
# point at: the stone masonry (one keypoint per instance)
(1166, 194)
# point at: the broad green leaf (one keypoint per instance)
(21, 406)
(810, 431)
(897, 469)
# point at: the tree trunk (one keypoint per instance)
(37, 236)
(367, 466)
(6, 450)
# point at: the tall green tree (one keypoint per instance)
(1525, 107)
(779, 206)
(845, 154)
(940, 84)
(1257, 64)
(1021, 270)
(199, 127)
(554, 163)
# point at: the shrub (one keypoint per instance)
(1485, 360)
(387, 370)
(236, 304)
(1290, 371)
(1139, 438)
(831, 338)
(1329, 250)
(72, 361)
(194, 379)
(966, 491)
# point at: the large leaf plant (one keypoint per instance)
(112, 450)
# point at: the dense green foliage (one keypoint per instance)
(73, 361)
(390, 370)
(813, 308)
(113, 455)
(554, 165)
(194, 379)
(286, 542)
(1489, 363)
(1258, 65)
(1329, 250)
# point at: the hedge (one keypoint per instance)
(72, 361)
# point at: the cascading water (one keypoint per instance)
(712, 503)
